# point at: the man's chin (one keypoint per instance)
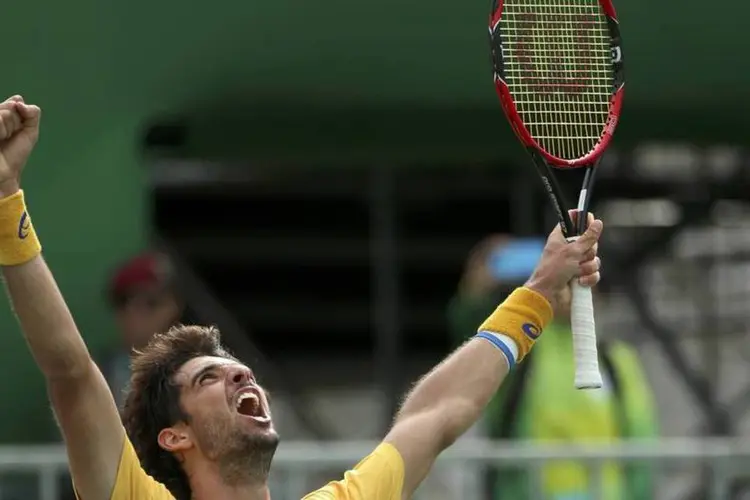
(263, 433)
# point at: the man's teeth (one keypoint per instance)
(244, 397)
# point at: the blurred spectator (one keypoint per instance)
(145, 301)
(538, 401)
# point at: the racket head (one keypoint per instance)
(559, 73)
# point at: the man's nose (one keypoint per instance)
(239, 376)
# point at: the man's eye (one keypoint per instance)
(206, 377)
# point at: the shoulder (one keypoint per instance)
(379, 476)
(133, 483)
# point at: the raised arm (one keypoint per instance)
(79, 394)
(452, 397)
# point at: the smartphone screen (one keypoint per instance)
(515, 260)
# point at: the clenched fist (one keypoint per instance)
(19, 131)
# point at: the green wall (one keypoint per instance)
(341, 81)
(83, 184)
(332, 79)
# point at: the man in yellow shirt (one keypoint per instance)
(196, 423)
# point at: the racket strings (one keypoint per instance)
(558, 68)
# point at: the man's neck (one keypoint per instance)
(209, 490)
(223, 492)
(211, 486)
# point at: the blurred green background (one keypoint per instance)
(294, 81)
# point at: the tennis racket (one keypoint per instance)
(558, 71)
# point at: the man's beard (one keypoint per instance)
(243, 456)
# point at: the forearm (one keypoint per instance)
(45, 320)
(460, 387)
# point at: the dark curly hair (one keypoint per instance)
(152, 401)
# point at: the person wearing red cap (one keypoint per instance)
(145, 302)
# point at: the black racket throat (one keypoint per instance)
(559, 202)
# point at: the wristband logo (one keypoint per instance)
(532, 331)
(24, 226)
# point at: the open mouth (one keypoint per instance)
(249, 405)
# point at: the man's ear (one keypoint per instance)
(175, 439)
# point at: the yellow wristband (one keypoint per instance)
(522, 317)
(18, 240)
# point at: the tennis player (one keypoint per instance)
(197, 425)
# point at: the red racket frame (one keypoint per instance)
(509, 106)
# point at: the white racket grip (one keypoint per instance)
(583, 326)
(584, 338)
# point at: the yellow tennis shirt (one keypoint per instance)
(380, 476)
